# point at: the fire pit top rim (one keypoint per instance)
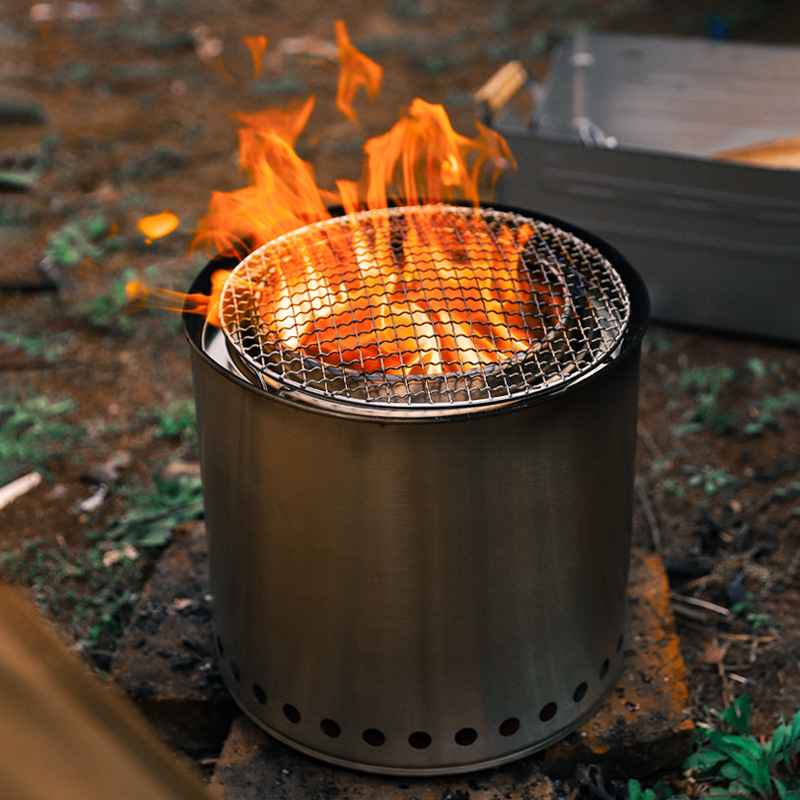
(568, 252)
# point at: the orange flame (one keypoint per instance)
(282, 194)
(423, 160)
(458, 299)
(420, 160)
(157, 225)
(140, 295)
(356, 70)
(257, 45)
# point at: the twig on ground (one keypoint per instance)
(18, 180)
(650, 516)
(727, 697)
(694, 608)
(14, 490)
(591, 778)
(648, 441)
(700, 603)
(118, 529)
(762, 501)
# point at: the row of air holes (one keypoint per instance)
(420, 740)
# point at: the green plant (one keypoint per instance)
(675, 488)
(757, 368)
(439, 62)
(785, 492)
(746, 608)
(707, 383)
(766, 411)
(79, 72)
(177, 421)
(36, 344)
(789, 492)
(107, 310)
(150, 516)
(708, 411)
(658, 792)
(79, 239)
(88, 593)
(737, 765)
(712, 479)
(91, 591)
(31, 431)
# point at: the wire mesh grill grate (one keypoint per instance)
(424, 306)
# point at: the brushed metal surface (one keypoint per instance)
(717, 241)
(426, 595)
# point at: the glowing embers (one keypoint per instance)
(426, 304)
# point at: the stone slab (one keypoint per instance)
(642, 727)
(254, 765)
(645, 724)
(165, 661)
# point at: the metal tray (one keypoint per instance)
(679, 152)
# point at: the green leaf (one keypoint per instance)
(704, 761)
(729, 792)
(740, 790)
(744, 746)
(754, 774)
(777, 747)
(730, 771)
(635, 790)
(749, 764)
(737, 715)
(796, 728)
(158, 534)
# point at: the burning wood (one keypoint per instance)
(412, 291)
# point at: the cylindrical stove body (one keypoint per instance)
(419, 595)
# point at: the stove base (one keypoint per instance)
(643, 726)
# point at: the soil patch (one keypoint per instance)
(112, 111)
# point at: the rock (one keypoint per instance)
(165, 660)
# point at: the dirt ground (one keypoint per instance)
(111, 111)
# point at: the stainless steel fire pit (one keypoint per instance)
(422, 570)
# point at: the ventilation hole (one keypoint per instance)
(237, 676)
(220, 648)
(259, 694)
(373, 737)
(509, 726)
(548, 712)
(604, 668)
(580, 692)
(466, 736)
(330, 728)
(620, 642)
(291, 713)
(419, 740)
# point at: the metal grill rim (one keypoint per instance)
(596, 314)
